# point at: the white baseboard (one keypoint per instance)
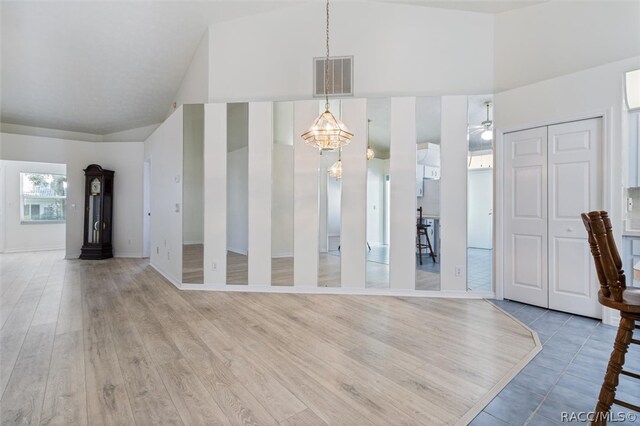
(192, 243)
(168, 276)
(25, 250)
(237, 251)
(339, 291)
(136, 255)
(279, 255)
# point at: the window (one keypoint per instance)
(43, 197)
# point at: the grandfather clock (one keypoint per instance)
(98, 211)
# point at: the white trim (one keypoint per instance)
(606, 115)
(192, 243)
(513, 372)
(238, 251)
(25, 250)
(167, 276)
(136, 255)
(338, 291)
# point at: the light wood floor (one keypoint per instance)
(112, 342)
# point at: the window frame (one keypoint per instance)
(23, 220)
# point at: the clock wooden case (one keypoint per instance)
(98, 213)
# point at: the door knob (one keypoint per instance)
(569, 229)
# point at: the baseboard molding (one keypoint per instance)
(193, 243)
(338, 291)
(237, 251)
(131, 255)
(280, 255)
(486, 398)
(167, 276)
(25, 250)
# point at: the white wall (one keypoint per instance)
(398, 49)
(194, 88)
(27, 236)
(555, 38)
(125, 158)
(164, 149)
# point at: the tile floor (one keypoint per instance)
(479, 265)
(565, 376)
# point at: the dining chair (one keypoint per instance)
(422, 229)
(613, 294)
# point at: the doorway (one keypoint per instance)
(146, 219)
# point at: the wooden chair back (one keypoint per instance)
(605, 254)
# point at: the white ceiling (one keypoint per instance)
(480, 6)
(103, 67)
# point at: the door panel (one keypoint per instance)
(525, 202)
(575, 186)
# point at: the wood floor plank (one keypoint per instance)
(70, 315)
(239, 405)
(65, 400)
(303, 418)
(107, 399)
(22, 400)
(194, 403)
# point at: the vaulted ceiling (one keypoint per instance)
(102, 67)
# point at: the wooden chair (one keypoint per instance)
(613, 294)
(422, 229)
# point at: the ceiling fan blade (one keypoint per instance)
(473, 132)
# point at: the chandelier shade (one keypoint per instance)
(327, 133)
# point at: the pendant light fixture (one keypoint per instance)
(370, 153)
(335, 171)
(327, 131)
(487, 133)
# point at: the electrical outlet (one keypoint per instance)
(458, 270)
(629, 204)
(214, 266)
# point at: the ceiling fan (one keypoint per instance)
(486, 127)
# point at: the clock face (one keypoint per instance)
(95, 186)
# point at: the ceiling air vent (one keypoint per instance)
(340, 76)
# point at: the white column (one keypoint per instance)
(306, 163)
(402, 171)
(215, 193)
(353, 232)
(260, 164)
(453, 193)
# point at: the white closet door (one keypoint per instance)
(525, 213)
(575, 186)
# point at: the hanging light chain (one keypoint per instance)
(326, 66)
